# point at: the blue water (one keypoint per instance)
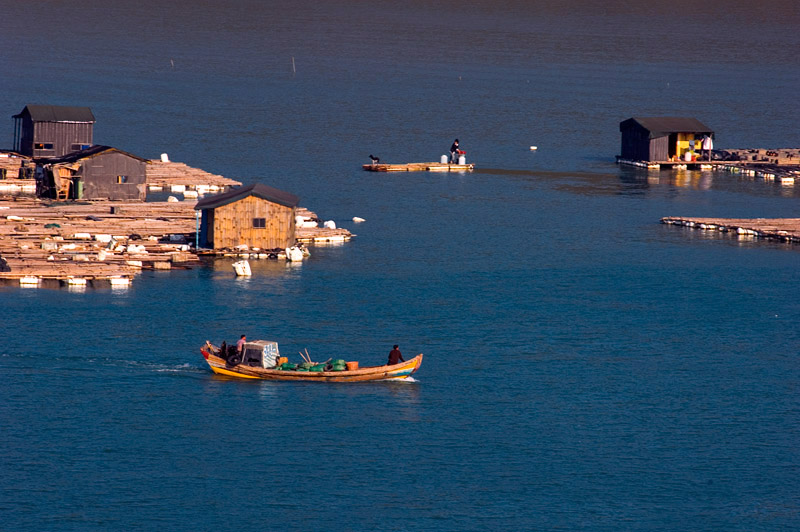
(586, 368)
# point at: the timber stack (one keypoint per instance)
(100, 242)
(179, 177)
(44, 242)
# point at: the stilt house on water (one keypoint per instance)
(661, 139)
(98, 172)
(256, 215)
(52, 130)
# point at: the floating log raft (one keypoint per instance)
(16, 174)
(95, 242)
(179, 177)
(418, 167)
(103, 242)
(319, 235)
(310, 231)
(769, 163)
(775, 229)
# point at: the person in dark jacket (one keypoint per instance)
(395, 356)
(454, 152)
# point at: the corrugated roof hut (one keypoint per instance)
(659, 139)
(52, 130)
(256, 215)
(99, 172)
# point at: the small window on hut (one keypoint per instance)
(259, 223)
(43, 146)
(122, 179)
(77, 147)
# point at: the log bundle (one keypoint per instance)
(169, 174)
(93, 241)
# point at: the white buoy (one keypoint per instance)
(294, 254)
(330, 224)
(242, 268)
(164, 158)
(534, 148)
(119, 281)
(358, 220)
(29, 280)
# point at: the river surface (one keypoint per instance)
(586, 368)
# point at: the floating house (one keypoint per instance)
(257, 215)
(98, 172)
(52, 130)
(661, 139)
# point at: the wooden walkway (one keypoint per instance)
(418, 167)
(774, 229)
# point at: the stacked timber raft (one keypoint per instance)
(179, 177)
(309, 231)
(90, 243)
(776, 229)
(103, 243)
(16, 174)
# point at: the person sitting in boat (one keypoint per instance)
(454, 149)
(395, 356)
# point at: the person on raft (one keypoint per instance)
(454, 149)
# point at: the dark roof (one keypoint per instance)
(92, 151)
(261, 191)
(57, 113)
(664, 125)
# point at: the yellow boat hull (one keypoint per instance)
(403, 370)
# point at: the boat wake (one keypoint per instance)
(182, 368)
(166, 368)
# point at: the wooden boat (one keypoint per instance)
(259, 362)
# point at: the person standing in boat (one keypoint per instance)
(395, 356)
(454, 152)
(240, 344)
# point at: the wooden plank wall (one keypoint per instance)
(233, 224)
(63, 135)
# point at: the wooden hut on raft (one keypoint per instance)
(52, 130)
(257, 215)
(661, 139)
(98, 172)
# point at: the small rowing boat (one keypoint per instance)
(261, 360)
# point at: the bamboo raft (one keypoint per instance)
(418, 167)
(774, 229)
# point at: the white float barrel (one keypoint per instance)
(443, 159)
(462, 159)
